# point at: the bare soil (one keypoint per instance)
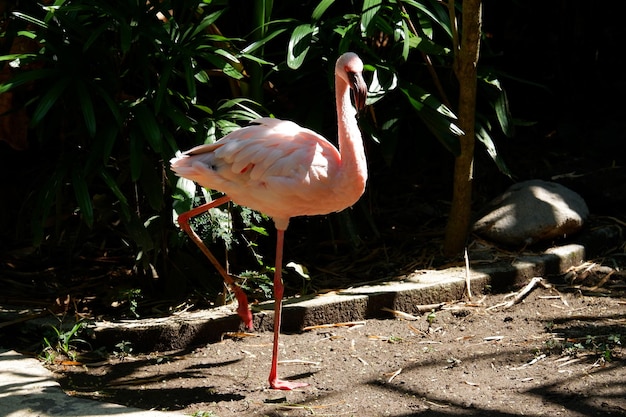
(554, 353)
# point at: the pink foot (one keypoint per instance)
(243, 310)
(286, 385)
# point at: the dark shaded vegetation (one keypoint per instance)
(556, 61)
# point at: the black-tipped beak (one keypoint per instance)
(359, 89)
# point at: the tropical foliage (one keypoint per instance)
(113, 89)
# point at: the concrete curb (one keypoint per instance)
(186, 330)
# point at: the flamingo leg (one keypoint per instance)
(278, 304)
(242, 300)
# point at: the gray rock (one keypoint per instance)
(530, 212)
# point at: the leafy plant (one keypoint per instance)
(63, 342)
(131, 298)
(412, 51)
(603, 345)
(408, 47)
(123, 349)
(256, 281)
(431, 317)
(204, 414)
(111, 89)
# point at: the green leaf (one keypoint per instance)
(413, 100)
(48, 194)
(114, 187)
(183, 196)
(99, 151)
(203, 108)
(151, 183)
(163, 84)
(30, 19)
(113, 106)
(417, 95)
(320, 9)
(427, 46)
(347, 36)
(136, 150)
(258, 229)
(226, 54)
(232, 72)
(108, 137)
(440, 16)
(179, 118)
(299, 45)
(483, 136)
(443, 129)
(51, 9)
(383, 81)
(148, 126)
(189, 78)
(256, 59)
(95, 34)
(239, 109)
(436, 116)
(125, 38)
(206, 22)
(49, 99)
(81, 191)
(300, 269)
(171, 142)
(13, 57)
(261, 42)
(138, 232)
(27, 34)
(504, 115)
(406, 36)
(370, 9)
(26, 77)
(202, 77)
(186, 188)
(86, 107)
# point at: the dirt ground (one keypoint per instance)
(554, 353)
(557, 353)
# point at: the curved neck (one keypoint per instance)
(353, 165)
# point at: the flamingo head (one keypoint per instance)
(349, 68)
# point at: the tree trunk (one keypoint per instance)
(466, 60)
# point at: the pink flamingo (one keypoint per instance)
(283, 170)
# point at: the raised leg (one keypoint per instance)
(242, 300)
(278, 304)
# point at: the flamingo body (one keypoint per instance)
(283, 170)
(276, 167)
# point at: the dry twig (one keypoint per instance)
(519, 296)
(468, 286)
(401, 314)
(238, 335)
(423, 308)
(529, 363)
(395, 374)
(327, 326)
